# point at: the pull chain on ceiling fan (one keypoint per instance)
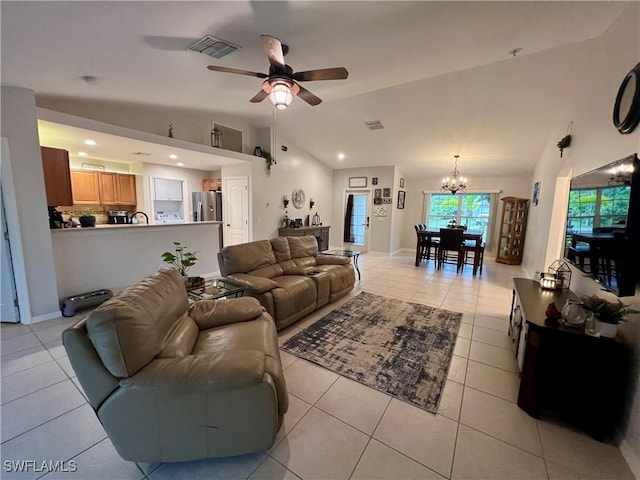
(281, 82)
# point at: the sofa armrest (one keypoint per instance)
(210, 372)
(332, 260)
(300, 270)
(214, 313)
(253, 283)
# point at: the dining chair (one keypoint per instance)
(451, 247)
(469, 247)
(426, 245)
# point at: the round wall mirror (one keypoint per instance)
(626, 111)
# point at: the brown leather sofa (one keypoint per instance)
(174, 382)
(287, 275)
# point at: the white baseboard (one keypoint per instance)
(631, 458)
(42, 318)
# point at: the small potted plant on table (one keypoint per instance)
(609, 314)
(182, 260)
(87, 218)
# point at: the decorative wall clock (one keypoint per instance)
(626, 110)
(298, 198)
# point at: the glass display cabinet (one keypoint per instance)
(513, 225)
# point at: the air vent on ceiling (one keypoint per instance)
(144, 154)
(214, 47)
(374, 125)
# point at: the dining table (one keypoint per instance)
(472, 236)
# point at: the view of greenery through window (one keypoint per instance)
(597, 207)
(470, 209)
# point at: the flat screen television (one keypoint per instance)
(603, 225)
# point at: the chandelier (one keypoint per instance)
(456, 183)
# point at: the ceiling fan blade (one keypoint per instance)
(258, 97)
(308, 97)
(215, 68)
(338, 73)
(273, 48)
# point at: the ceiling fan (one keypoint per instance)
(281, 82)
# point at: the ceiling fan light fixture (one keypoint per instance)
(280, 95)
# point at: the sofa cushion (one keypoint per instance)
(296, 294)
(181, 340)
(246, 257)
(130, 329)
(305, 246)
(281, 250)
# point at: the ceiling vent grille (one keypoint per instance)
(214, 47)
(374, 125)
(144, 154)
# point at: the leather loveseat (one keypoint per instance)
(287, 275)
(175, 382)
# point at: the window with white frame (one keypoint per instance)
(472, 210)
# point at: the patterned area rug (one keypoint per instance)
(400, 348)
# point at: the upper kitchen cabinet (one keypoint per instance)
(57, 177)
(85, 187)
(103, 188)
(211, 184)
(166, 189)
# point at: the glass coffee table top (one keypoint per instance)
(346, 253)
(215, 288)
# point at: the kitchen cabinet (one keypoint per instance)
(513, 225)
(580, 378)
(167, 189)
(211, 184)
(85, 187)
(57, 176)
(103, 188)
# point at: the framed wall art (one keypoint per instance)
(374, 180)
(401, 195)
(402, 183)
(377, 201)
(377, 193)
(536, 193)
(357, 182)
(386, 192)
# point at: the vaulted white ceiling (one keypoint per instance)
(436, 74)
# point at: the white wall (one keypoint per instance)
(295, 168)
(597, 69)
(191, 126)
(380, 238)
(23, 186)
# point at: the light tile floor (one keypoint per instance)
(335, 428)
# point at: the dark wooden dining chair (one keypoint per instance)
(469, 247)
(426, 245)
(451, 247)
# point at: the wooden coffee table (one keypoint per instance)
(215, 288)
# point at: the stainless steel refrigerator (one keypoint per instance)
(207, 206)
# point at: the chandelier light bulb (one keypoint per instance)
(455, 183)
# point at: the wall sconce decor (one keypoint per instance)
(311, 203)
(285, 201)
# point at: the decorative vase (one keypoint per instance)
(608, 330)
(88, 221)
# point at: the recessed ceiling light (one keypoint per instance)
(180, 164)
(89, 142)
(82, 154)
(173, 156)
(341, 156)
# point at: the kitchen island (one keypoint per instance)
(114, 256)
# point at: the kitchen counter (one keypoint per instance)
(114, 256)
(125, 226)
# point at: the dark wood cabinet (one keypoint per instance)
(513, 226)
(582, 379)
(321, 234)
(57, 176)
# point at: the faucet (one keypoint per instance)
(135, 213)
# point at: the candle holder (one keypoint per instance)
(557, 276)
(311, 203)
(285, 201)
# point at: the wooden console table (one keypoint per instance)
(582, 378)
(320, 232)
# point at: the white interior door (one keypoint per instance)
(237, 210)
(359, 220)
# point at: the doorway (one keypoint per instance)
(356, 220)
(236, 210)
(9, 301)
